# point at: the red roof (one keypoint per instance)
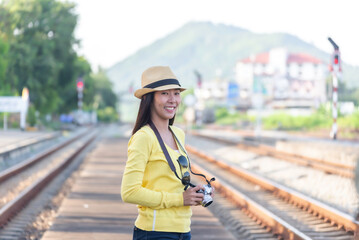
(259, 58)
(302, 58)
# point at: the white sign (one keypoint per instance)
(12, 104)
(15, 104)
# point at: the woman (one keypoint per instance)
(148, 181)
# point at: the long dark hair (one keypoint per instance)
(144, 112)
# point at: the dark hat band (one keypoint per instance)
(163, 83)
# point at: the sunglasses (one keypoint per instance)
(186, 177)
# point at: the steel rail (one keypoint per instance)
(326, 166)
(269, 219)
(14, 206)
(309, 204)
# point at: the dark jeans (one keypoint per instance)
(139, 234)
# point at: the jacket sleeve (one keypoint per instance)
(132, 191)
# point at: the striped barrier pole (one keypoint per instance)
(335, 69)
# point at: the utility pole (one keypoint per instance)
(335, 68)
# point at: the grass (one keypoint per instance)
(319, 121)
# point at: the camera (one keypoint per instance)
(207, 199)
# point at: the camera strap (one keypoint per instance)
(164, 149)
(168, 158)
(189, 162)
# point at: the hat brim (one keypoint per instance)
(142, 91)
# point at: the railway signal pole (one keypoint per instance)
(335, 68)
(80, 88)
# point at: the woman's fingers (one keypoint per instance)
(191, 197)
(196, 188)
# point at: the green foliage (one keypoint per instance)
(104, 99)
(221, 113)
(68, 92)
(320, 119)
(12, 119)
(4, 48)
(226, 117)
(107, 115)
(351, 121)
(5, 87)
(14, 124)
(103, 91)
(283, 121)
(41, 55)
(31, 116)
(350, 95)
(37, 51)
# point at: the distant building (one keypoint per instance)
(213, 90)
(283, 79)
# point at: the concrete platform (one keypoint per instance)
(15, 136)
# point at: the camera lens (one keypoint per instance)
(207, 200)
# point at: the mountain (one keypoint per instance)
(212, 50)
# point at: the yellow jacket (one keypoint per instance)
(149, 182)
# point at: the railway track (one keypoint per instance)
(249, 205)
(340, 169)
(274, 208)
(23, 182)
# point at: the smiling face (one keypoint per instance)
(165, 103)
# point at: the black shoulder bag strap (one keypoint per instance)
(164, 149)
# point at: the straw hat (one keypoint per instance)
(157, 78)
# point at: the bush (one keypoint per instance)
(107, 115)
(31, 116)
(283, 121)
(221, 113)
(15, 124)
(321, 119)
(225, 117)
(350, 121)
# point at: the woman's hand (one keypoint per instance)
(191, 197)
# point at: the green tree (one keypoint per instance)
(37, 50)
(104, 95)
(41, 55)
(80, 68)
(5, 88)
(31, 116)
(105, 100)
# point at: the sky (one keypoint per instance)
(111, 30)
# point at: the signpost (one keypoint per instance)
(15, 104)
